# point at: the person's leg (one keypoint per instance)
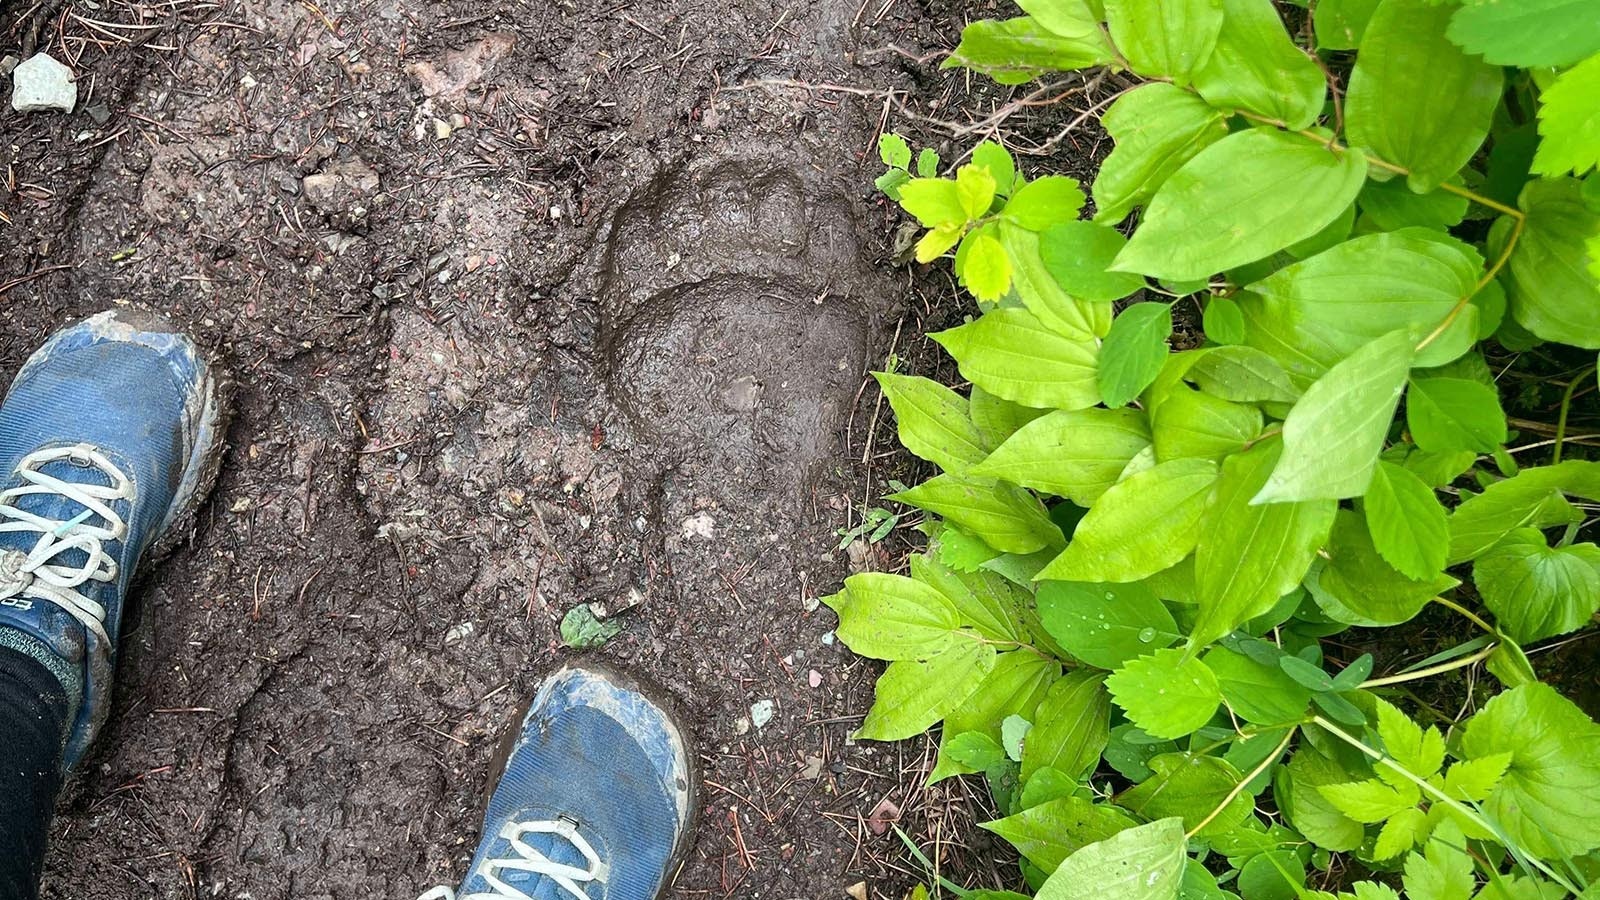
(595, 799)
(109, 436)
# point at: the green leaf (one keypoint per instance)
(986, 269)
(1077, 454)
(1307, 674)
(997, 160)
(1407, 523)
(1415, 98)
(932, 201)
(1008, 518)
(1049, 833)
(975, 187)
(1067, 18)
(1552, 290)
(894, 152)
(1043, 202)
(1008, 353)
(1332, 437)
(1526, 499)
(1259, 694)
(1445, 414)
(974, 751)
(1165, 38)
(1141, 863)
(1538, 591)
(1205, 219)
(1140, 526)
(1549, 799)
(1134, 351)
(1391, 206)
(1249, 555)
(1340, 23)
(1105, 625)
(1013, 687)
(1242, 374)
(1191, 424)
(1223, 322)
(938, 241)
(1190, 786)
(913, 695)
(1013, 731)
(1257, 68)
(927, 163)
(582, 630)
(1074, 724)
(934, 421)
(1043, 296)
(1528, 33)
(1013, 51)
(893, 617)
(1356, 586)
(1077, 255)
(1166, 694)
(1158, 128)
(1569, 121)
(890, 182)
(1442, 871)
(1474, 780)
(999, 419)
(1279, 875)
(1400, 833)
(1296, 791)
(982, 600)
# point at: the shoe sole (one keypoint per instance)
(669, 709)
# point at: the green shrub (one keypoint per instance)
(1135, 555)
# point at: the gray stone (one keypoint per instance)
(9, 63)
(40, 84)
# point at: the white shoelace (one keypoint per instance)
(568, 878)
(36, 576)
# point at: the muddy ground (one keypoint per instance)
(529, 304)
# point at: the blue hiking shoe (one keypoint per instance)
(594, 801)
(110, 434)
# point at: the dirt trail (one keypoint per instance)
(529, 305)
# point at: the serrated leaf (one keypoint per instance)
(975, 188)
(1442, 870)
(938, 241)
(1077, 254)
(1414, 97)
(1366, 801)
(1527, 33)
(997, 160)
(1448, 414)
(1165, 38)
(1074, 723)
(1204, 219)
(1473, 780)
(1420, 750)
(1356, 586)
(1044, 202)
(1407, 523)
(1259, 694)
(1257, 67)
(893, 617)
(985, 268)
(1139, 527)
(1140, 863)
(913, 695)
(1399, 834)
(934, 422)
(1158, 128)
(581, 629)
(927, 163)
(1007, 518)
(1134, 351)
(1008, 353)
(1569, 121)
(894, 152)
(1333, 435)
(1190, 424)
(1250, 555)
(1013, 51)
(1538, 591)
(932, 201)
(1190, 786)
(1105, 625)
(1049, 833)
(1166, 694)
(1552, 291)
(1077, 454)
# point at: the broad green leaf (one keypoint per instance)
(1407, 523)
(1569, 121)
(1528, 498)
(1553, 293)
(1475, 779)
(1446, 414)
(1223, 322)
(1074, 723)
(893, 617)
(1443, 870)
(894, 152)
(1527, 33)
(1140, 526)
(1356, 586)
(1420, 750)
(1074, 19)
(1538, 591)
(1415, 98)
(1400, 833)
(1134, 352)
(1077, 255)
(1158, 128)
(1306, 674)
(1296, 790)
(1165, 38)
(927, 163)
(1340, 23)
(1008, 353)
(1166, 694)
(1391, 205)
(1332, 437)
(913, 695)
(972, 751)
(1259, 694)
(1037, 288)
(1257, 68)
(938, 241)
(1049, 833)
(1249, 555)
(1013, 687)
(932, 201)
(1190, 424)
(1437, 469)
(1130, 750)
(1141, 863)
(1313, 313)
(1044, 202)
(999, 419)
(1105, 625)
(982, 600)
(1008, 518)
(1013, 51)
(1278, 875)
(1077, 454)
(1190, 786)
(1549, 799)
(997, 160)
(1242, 374)
(985, 268)
(934, 421)
(975, 188)
(1205, 219)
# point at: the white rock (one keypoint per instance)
(40, 83)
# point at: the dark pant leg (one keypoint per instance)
(33, 711)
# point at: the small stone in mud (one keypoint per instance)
(701, 526)
(41, 84)
(761, 713)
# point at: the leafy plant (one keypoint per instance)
(1134, 555)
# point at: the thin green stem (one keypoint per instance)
(1430, 671)
(1566, 405)
(1243, 783)
(1469, 614)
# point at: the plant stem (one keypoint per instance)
(1243, 783)
(1469, 614)
(1452, 665)
(1566, 405)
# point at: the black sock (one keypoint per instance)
(33, 723)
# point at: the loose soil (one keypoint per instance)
(529, 305)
